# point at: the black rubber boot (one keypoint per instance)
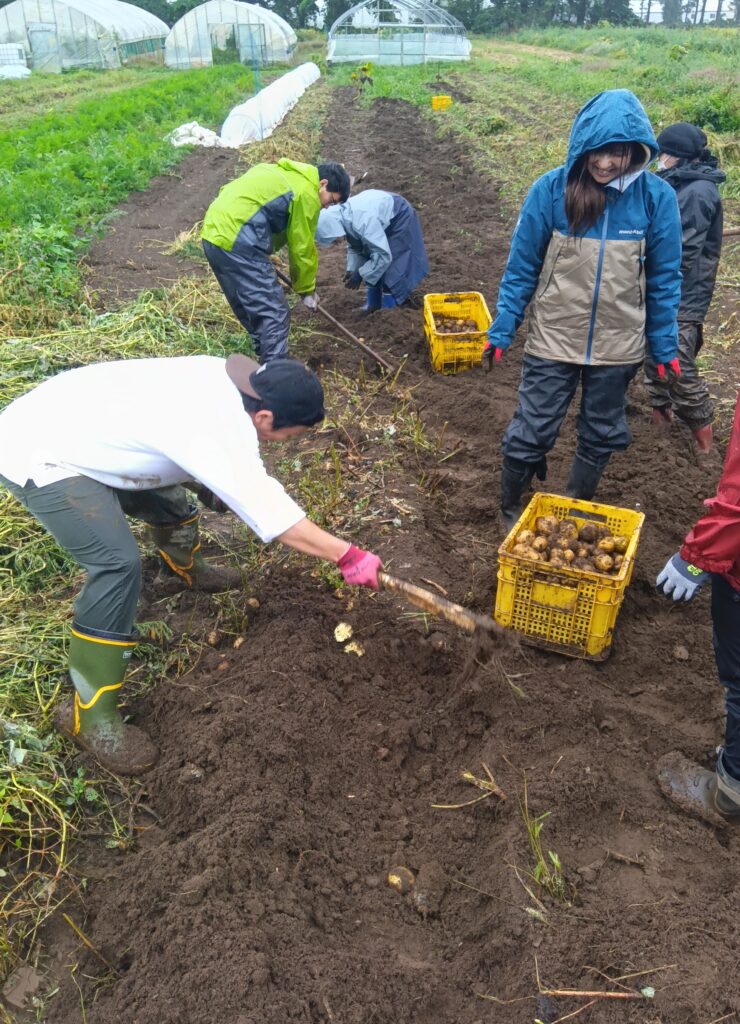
(178, 545)
(583, 479)
(97, 665)
(515, 479)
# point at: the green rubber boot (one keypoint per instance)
(97, 665)
(178, 546)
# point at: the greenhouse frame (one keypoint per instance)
(60, 34)
(397, 32)
(229, 31)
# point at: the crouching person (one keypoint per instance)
(80, 456)
(385, 247)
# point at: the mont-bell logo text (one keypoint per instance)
(632, 231)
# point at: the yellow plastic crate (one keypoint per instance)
(441, 102)
(451, 353)
(571, 611)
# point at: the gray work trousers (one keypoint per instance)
(688, 394)
(88, 519)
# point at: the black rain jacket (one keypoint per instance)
(701, 223)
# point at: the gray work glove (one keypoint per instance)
(310, 301)
(681, 580)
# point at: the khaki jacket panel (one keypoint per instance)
(561, 309)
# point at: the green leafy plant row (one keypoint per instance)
(65, 170)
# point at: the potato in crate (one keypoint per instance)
(563, 571)
(456, 326)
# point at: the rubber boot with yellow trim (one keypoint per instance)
(179, 549)
(97, 665)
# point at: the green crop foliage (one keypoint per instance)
(64, 171)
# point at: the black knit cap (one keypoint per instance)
(291, 392)
(683, 140)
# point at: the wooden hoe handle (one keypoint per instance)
(430, 602)
(355, 340)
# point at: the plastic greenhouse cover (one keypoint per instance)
(261, 114)
(129, 22)
(190, 41)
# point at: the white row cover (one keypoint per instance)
(250, 32)
(57, 34)
(259, 116)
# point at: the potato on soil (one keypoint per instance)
(618, 559)
(606, 544)
(621, 543)
(539, 544)
(583, 563)
(569, 556)
(525, 537)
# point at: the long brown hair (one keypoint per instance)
(585, 199)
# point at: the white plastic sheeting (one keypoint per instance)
(57, 34)
(193, 134)
(223, 29)
(259, 116)
(14, 71)
(397, 32)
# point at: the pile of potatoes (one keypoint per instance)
(568, 544)
(449, 325)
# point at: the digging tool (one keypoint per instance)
(357, 341)
(455, 613)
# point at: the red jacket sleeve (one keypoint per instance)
(714, 542)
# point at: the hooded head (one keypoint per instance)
(611, 141)
(613, 116)
(330, 226)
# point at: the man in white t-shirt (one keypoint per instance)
(89, 446)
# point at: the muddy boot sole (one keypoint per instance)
(689, 788)
(134, 754)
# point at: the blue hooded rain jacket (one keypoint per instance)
(596, 298)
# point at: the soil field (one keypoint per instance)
(295, 774)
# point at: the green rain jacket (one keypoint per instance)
(269, 206)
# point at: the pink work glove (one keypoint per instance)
(360, 568)
(672, 364)
(491, 354)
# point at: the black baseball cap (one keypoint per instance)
(285, 387)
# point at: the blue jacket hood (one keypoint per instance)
(615, 115)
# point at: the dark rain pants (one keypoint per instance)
(248, 281)
(88, 519)
(688, 394)
(726, 637)
(546, 390)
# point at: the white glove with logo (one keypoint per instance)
(310, 301)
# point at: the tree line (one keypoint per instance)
(489, 16)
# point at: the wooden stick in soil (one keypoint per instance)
(353, 338)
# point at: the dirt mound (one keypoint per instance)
(294, 773)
